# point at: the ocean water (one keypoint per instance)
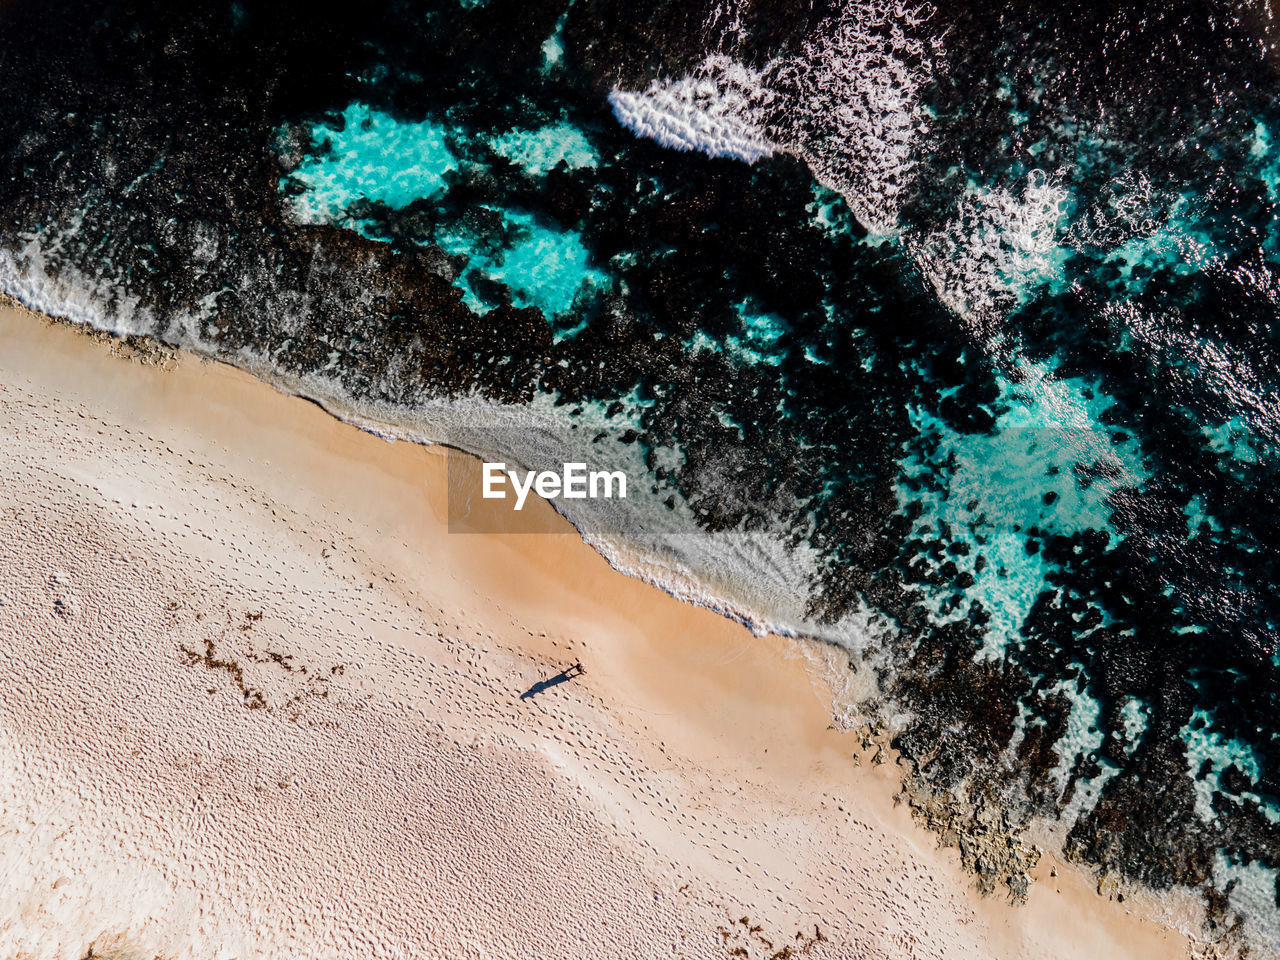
(366, 154)
(366, 159)
(993, 488)
(944, 335)
(714, 110)
(540, 150)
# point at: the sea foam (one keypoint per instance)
(847, 104)
(754, 577)
(719, 110)
(1001, 245)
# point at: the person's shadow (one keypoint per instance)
(563, 676)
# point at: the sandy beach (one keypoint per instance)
(257, 701)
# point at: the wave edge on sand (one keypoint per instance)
(707, 703)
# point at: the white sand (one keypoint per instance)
(390, 795)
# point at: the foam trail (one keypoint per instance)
(753, 577)
(853, 105)
(999, 247)
(69, 294)
(847, 104)
(718, 110)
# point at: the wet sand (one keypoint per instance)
(259, 702)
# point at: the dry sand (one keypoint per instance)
(256, 701)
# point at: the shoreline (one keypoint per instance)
(694, 758)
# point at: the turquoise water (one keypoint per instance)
(1197, 517)
(1083, 737)
(1253, 885)
(553, 46)
(1181, 244)
(1135, 715)
(1263, 151)
(1206, 747)
(373, 156)
(993, 488)
(756, 341)
(830, 210)
(540, 150)
(544, 266)
(1233, 440)
(761, 332)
